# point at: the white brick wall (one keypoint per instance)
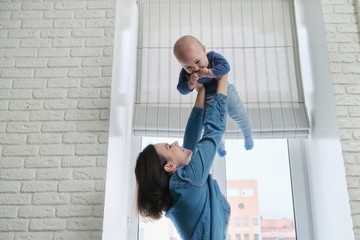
(55, 69)
(342, 20)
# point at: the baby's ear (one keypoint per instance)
(169, 168)
(204, 48)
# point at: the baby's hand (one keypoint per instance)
(205, 72)
(194, 77)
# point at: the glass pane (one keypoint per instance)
(259, 191)
(161, 229)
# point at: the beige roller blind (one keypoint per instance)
(257, 37)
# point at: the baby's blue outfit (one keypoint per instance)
(200, 211)
(236, 110)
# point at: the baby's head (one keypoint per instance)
(190, 53)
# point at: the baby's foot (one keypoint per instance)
(221, 149)
(249, 143)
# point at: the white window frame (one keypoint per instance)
(321, 171)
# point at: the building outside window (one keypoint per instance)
(237, 237)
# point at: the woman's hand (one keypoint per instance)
(199, 87)
(200, 98)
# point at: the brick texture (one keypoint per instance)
(55, 70)
(342, 22)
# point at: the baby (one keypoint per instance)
(206, 67)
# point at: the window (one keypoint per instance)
(238, 236)
(247, 192)
(255, 221)
(257, 37)
(162, 229)
(261, 46)
(266, 171)
(245, 221)
(237, 222)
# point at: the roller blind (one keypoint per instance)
(257, 37)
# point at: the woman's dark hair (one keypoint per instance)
(153, 196)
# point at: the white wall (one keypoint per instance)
(329, 198)
(342, 24)
(120, 220)
(55, 82)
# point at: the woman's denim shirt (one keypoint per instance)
(200, 211)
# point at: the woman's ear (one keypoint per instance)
(169, 168)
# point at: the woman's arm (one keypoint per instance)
(215, 120)
(200, 98)
(195, 122)
(222, 85)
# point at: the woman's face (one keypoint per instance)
(175, 155)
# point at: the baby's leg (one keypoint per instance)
(221, 149)
(238, 114)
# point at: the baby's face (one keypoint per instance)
(194, 59)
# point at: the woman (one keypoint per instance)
(177, 180)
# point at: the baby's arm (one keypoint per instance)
(183, 84)
(205, 72)
(220, 66)
(187, 82)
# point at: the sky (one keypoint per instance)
(268, 162)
